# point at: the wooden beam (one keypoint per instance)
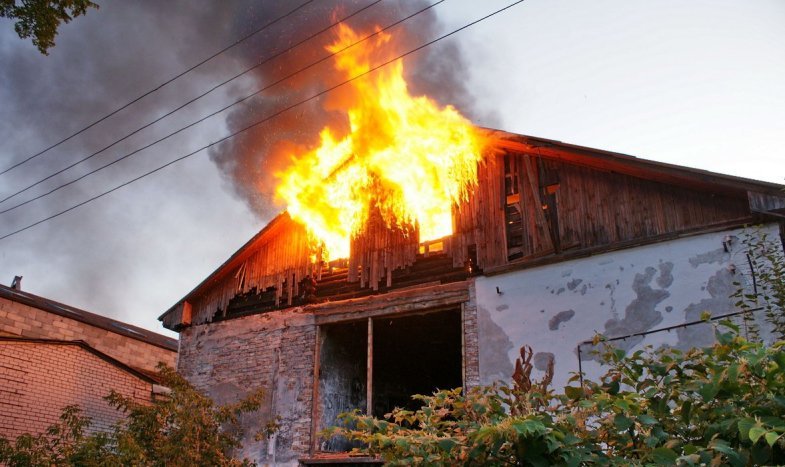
(392, 303)
(535, 190)
(585, 252)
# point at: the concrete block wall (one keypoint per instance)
(18, 319)
(274, 351)
(37, 380)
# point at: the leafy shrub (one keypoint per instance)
(723, 405)
(185, 428)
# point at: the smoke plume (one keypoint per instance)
(250, 160)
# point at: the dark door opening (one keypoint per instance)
(342, 376)
(415, 355)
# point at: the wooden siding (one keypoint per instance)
(280, 261)
(586, 207)
(378, 250)
(551, 205)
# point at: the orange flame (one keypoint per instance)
(404, 155)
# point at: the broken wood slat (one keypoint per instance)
(544, 238)
(280, 262)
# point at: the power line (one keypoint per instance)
(247, 70)
(238, 41)
(192, 124)
(269, 117)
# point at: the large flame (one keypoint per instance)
(403, 155)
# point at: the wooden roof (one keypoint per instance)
(746, 198)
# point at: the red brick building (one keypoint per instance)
(53, 355)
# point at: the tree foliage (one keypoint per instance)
(40, 19)
(185, 428)
(767, 288)
(723, 405)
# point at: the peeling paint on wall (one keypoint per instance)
(720, 287)
(641, 314)
(554, 307)
(542, 360)
(561, 317)
(710, 257)
(495, 342)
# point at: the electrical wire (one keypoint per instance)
(191, 101)
(235, 43)
(212, 114)
(270, 117)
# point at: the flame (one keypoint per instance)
(403, 155)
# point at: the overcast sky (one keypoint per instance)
(699, 83)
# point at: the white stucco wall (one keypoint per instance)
(552, 308)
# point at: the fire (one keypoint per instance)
(403, 155)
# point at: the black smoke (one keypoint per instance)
(250, 160)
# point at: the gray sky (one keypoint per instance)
(698, 83)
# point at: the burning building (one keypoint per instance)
(420, 252)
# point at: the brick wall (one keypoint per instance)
(17, 319)
(38, 379)
(274, 351)
(471, 347)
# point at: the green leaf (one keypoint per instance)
(745, 425)
(772, 437)
(446, 444)
(755, 433)
(664, 456)
(686, 409)
(645, 419)
(722, 446)
(622, 404)
(689, 449)
(573, 392)
(651, 441)
(760, 454)
(528, 427)
(621, 422)
(733, 372)
(779, 357)
(708, 391)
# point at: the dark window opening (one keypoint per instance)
(415, 355)
(513, 210)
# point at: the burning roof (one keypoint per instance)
(404, 158)
(406, 171)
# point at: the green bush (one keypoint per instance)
(723, 405)
(184, 428)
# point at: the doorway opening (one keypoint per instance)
(342, 376)
(415, 355)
